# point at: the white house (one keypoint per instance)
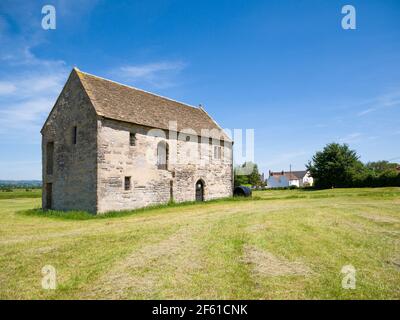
(286, 179)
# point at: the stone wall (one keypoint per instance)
(90, 174)
(74, 178)
(117, 159)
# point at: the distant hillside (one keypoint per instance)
(20, 183)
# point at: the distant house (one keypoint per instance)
(286, 179)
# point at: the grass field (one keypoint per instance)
(288, 244)
(21, 193)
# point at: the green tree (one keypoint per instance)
(240, 179)
(335, 166)
(255, 177)
(379, 167)
(247, 173)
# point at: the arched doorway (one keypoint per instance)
(200, 190)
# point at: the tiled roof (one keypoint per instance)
(300, 174)
(124, 103)
(293, 175)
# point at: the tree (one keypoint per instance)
(240, 179)
(335, 166)
(379, 167)
(255, 177)
(243, 177)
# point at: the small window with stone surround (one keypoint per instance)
(127, 183)
(74, 134)
(217, 152)
(132, 139)
(50, 157)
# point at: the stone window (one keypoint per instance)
(74, 134)
(132, 139)
(127, 183)
(217, 152)
(162, 155)
(187, 138)
(49, 157)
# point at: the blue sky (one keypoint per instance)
(283, 68)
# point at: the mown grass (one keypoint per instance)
(84, 215)
(20, 193)
(202, 250)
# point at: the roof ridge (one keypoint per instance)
(138, 89)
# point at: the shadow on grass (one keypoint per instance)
(84, 215)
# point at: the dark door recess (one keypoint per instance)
(49, 196)
(199, 190)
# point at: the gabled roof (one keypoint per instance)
(293, 175)
(300, 174)
(125, 103)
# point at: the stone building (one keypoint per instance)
(108, 146)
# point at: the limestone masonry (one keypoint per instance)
(107, 146)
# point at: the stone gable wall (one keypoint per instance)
(74, 177)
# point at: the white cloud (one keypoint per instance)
(26, 97)
(29, 85)
(21, 56)
(366, 111)
(151, 70)
(7, 88)
(158, 74)
(43, 85)
(22, 85)
(352, 137)
(388, 100)
(26, 115)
